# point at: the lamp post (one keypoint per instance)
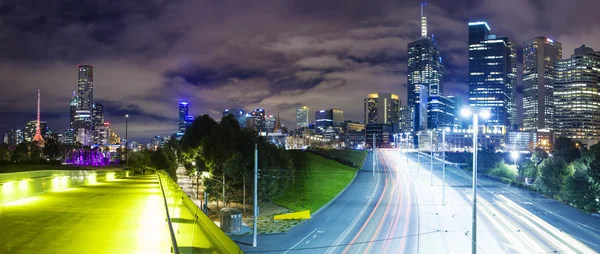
(418, 154)
(407, 146)
(515, 156)
(126, 142)
(431, 155)
(484, 113)
(255, 219)
(444, 165)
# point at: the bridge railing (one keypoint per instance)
(192, 231)
(20, 185)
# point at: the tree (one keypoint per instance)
(52, 149)
(539, 155)
(554, 172)
(594, 169)
(566, 149)
(4, 152)
(21, 152)
(160, 160)
(503, 170)
(530, 170)
(582, 192)
(486, 160)
(138, 160)
(201, 127)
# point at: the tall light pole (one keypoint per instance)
(418, 154)
(484, 113)
(255, 219)
(374, 151)
(407, 146)
(431, 155)
(515, 156)
(444, 165)
(126, 142)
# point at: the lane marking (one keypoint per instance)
(300, 241)
(352, 224)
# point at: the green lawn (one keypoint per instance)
(317, 181)
(354, 158)
(24, 168)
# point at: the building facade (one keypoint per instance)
(183, 113)
(383, 108)
(492, 74)
(326, 118)
(539, 56)
(302, 117)
(13, 137)
(30, 128)
(98, 114)
(406, 119)
(440, 112)
(577, 96)
(72, 109)
(425, 72)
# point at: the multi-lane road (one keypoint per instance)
(399, 209)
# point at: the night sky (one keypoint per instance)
(274, 54)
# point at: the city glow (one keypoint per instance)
(514, 155)
(465, 112)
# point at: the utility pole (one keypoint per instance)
(255, 219)
(418, 154)
(407, 146)
(126, 143)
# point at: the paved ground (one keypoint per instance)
(510, 220)
(120, 216)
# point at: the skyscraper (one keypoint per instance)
(31, 128)
(492, 74)
(98, 114)
(73, 109)
(13, 137)
(302, 117)
(406, 118)
(85, 87)
(326, 118)
(456, 104)
(539, 56)
(440, 112)
(183, 113)
(425, 71)
(382, 108)
(577, 96)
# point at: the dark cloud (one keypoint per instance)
(149, 54)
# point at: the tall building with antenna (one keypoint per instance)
(425, 71)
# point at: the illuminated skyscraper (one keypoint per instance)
(183, 113)
(382, 108)
(328, 118)
(492, 74)
(13, 137)
(539, 56)
(425, 71)
(73, 109)
(302, 117)
(98, 114)
(85, 87)
(577, 96)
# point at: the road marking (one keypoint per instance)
(352, 224)
(300, 241)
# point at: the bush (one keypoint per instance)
(504, 171)
(352, 158)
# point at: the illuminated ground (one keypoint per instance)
(120, 216)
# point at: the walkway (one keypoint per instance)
(119, 216)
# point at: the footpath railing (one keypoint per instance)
(191, 230)
(26, 184)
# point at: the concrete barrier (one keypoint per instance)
(192, 229)
(20, 185)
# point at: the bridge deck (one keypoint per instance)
(119, 216)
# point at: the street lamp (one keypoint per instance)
(431, 155)
(444, 164)
(126, 142)
(475, 113)
(407, 146)
(515, 156)
(418, 154)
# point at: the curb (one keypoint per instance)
(339, 194)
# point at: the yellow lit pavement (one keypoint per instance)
(118, 216)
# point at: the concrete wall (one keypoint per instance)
(14, 186)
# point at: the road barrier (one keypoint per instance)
(192, 231)
(26, 184)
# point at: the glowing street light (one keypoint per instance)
(475, 113)
(515, 156)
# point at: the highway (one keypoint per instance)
(510, 220)
(397, 209)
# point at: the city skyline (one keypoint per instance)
(350, 53)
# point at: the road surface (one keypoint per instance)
(397, 209)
